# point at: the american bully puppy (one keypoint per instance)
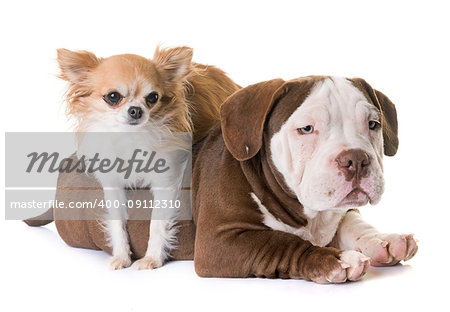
(275, 187)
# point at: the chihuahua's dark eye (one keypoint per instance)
(152, 98)
(113, 98)
(374, 125)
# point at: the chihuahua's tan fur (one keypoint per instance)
(129, 93)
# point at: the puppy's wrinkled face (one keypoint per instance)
(126, 92)
(330, 149)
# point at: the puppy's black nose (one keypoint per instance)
(135, 112)
(353, 163)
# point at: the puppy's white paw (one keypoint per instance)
(355, 264)
(349, 266)
(388, 249)
(119, 262)
(147, 263)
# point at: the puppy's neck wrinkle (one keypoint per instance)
(280, 203)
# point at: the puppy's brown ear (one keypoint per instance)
(75, 65)
(243, 116)
(174, 64)
(389, 121)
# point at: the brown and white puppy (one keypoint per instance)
(132, 94)
(292, 160)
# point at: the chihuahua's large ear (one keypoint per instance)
(243, 116)
(75, 65)
(389, 121)
(174, 63)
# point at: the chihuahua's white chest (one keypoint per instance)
(125, 159)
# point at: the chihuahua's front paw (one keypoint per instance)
(388, 249)
(119, 262)
(147, 263)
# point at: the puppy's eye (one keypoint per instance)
(306, 130)
(374, 125)
(152, 98)
(113, 98)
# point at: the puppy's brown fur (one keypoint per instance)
(231, 239)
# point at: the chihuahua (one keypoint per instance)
(144, 98)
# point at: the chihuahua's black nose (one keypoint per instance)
(135, 112)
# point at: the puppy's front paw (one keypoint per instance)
(347, 265)
(147, 263)
(355, 263)
(353, 266)
(119, 262)
(389, 249)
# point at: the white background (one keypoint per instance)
(399, 47)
